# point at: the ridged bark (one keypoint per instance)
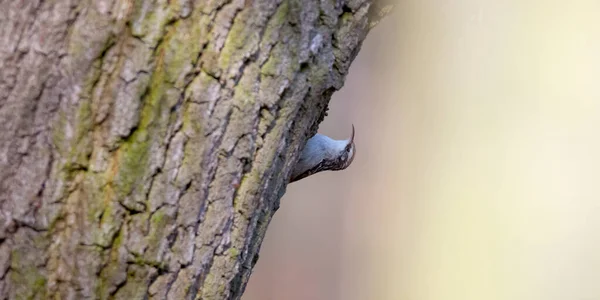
(145, 144)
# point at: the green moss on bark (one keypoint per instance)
(31, 281)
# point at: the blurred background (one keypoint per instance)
(477, 166)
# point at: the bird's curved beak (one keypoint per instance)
(350, 140)
(351, 145)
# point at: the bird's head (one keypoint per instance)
(346, 156)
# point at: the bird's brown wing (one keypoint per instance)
(322, 166)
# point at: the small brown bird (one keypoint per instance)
(323, 153)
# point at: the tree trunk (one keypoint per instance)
(145, 144)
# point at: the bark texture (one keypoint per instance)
(145, 144)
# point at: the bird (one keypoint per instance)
(322, 153)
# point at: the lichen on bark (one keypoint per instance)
(146, 144)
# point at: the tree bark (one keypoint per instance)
(145, 144)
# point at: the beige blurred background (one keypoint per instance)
(477, 168)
